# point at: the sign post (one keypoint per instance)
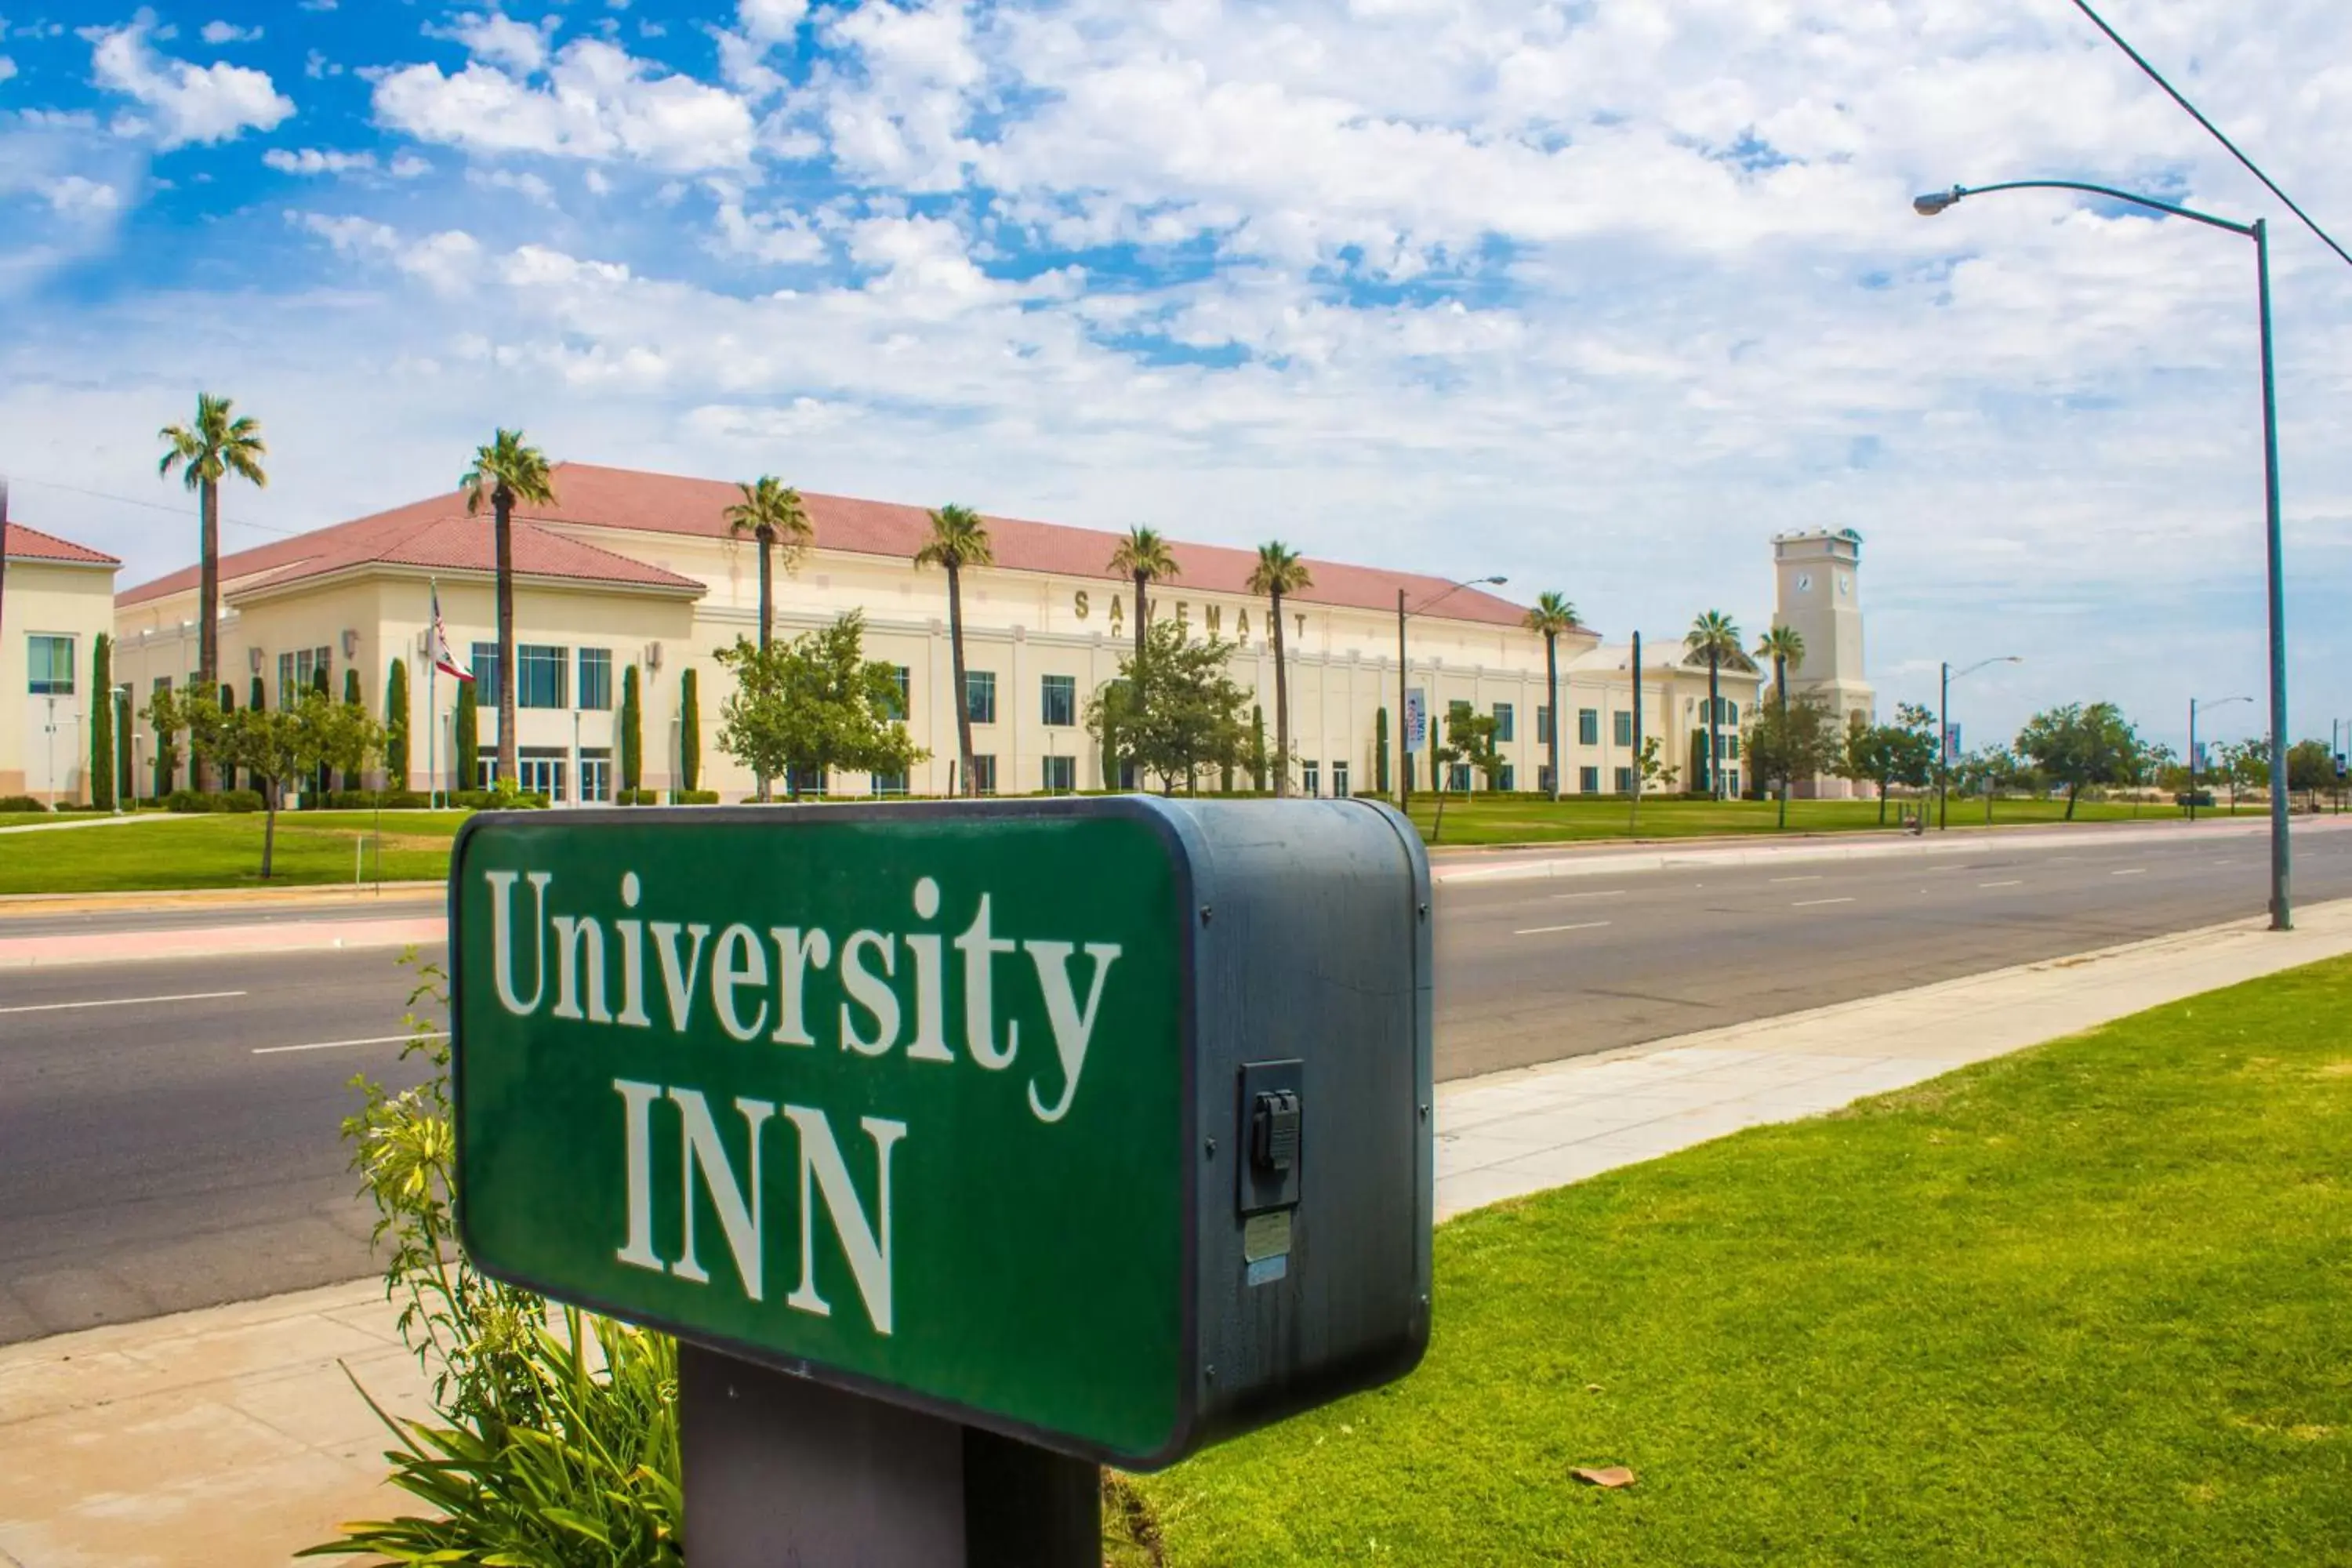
(965, 1146)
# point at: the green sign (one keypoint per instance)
(893, 1095)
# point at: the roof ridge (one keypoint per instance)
(58, 539)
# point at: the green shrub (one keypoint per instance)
(554, 1449)
(368, 800)
(200, 801)
(20, 802)
(493, 800)
(637, 797)
(694, 797)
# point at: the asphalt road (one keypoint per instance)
(168, 1130)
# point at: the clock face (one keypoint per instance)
(1846, 586)
(1804, 582)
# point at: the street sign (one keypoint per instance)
(1416, 720)
(1098, 1123)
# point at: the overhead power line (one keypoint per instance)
(152, 506)
(2158, 77)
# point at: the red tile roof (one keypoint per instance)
(590, 496)
(22, 544)
(434, 535)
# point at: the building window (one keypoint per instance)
(1624, 780)
(1507, 778)
(891, 783)
(486, 675)
(49, 661)
(596, 680)
(1338, 781)
(485, 769)
(1623, 726)
(1587, 781)
(983, 774)
(1061, 773)
(1458, 776)
(1543, 778)
(1503, 726)
(902, 682)
(805, 779)
(1310, 778)
(1059, 702)
(1543, 725)
(285, 688)
(1731, 746)
(541, 676)
(595, 774)
(303, 671)
(1588, 726)
(540, 769)
(980, 696)
(1731, 711)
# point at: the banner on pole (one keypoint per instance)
(1416, 720)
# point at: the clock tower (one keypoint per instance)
(1820, 595)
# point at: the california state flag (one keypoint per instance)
(442, 658)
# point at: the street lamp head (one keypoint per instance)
(1935, 202)
(1497, 582)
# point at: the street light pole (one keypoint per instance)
(1944, 728)
(2281, 903)
(1404, 763)
(2195, 704)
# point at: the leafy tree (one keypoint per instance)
(1551, 615)
(219, 442)
(2310, 767)
(632, 731)
(273, 746)
(770, 512)
(814, 704)
(1903, 752)
(1791, 739)
(959, 538)
(1175, 709)
(469, 726)
(2246, 765)
(1279, 572)
(1989, 771)
(395, 725)
(2077, 747)
(1785, 647)
(510, 470)
(689, 730)
(101, 722)
(1469, 739)
(1714, 637)
(1145, 557)
(1650, 767)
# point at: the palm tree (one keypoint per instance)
(507, 470)
(1552, 615)
(1785, 647)
(1279, 571)
(1716, 636)
(1143, 555)
(959, 538)
(770, 512)
(219, 442)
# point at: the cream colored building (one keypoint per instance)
(635, 569)
(57, 598)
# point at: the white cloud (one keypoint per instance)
(316, 160)
(530, 186)
(780, 239)
(189, 103)
(7, 68)
(770, 22)
(502, 41)
(600, 102)
(219, 33)
(409, 166)
(75, 196)
(319, 68)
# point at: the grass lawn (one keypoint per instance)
(2083, 1305)
(1477, 820)
(224, 851)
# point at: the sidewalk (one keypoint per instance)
(63, 948)
(232, 1435)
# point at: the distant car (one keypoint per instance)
(2201, 799)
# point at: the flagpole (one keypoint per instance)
(433, 703)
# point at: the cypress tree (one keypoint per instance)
(632, 732)
(227, 705)
(396, 726)
(1257, 748)
(469, 741)
(1380, 749)
(101, 722)
(324, 779)
(126, 783)
(351, 700)
(689, 731)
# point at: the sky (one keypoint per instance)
(1600, 297)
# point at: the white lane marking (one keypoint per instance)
(1545, 931)
(2012, 882)
(1608, 893)
(1943, 867)
(2134, 872)
(1812, 903)
(124, 1002)
(338, 1044)
(1796, 879)
(2228, 862)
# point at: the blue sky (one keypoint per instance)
(1600, 297)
